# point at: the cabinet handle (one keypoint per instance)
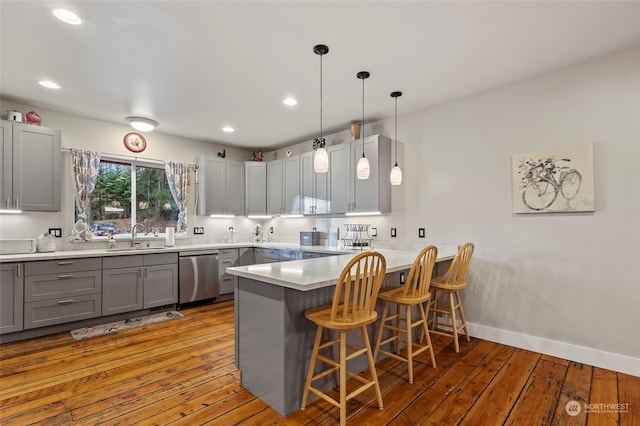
(67, 262)
(145, 272)
(16, 206)
(8, 203)
(64, 276)
(19, 270)
(65, 302)
(139, 273)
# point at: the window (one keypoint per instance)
(129, 193)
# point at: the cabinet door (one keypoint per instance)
(365, 193)
(234, 177)
(340, 181)
(291, 185)
(122, 290)
(36, 167)
(307, 183)
(211, 192)
(6, 165)
(160, 285)
(255, 185)
(11, 297)
(275, 196)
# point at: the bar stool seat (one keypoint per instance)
(415, 292)
(451, 283)
(353, 307)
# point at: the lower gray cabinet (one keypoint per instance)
(11, 297)
(226, 259)
(139, 282)
(61, 291)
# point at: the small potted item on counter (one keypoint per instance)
(45, 243)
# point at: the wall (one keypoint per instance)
(105, 137)
(565, 284)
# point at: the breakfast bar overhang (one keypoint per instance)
(273, 339)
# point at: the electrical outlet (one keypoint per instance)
(271, 229)
(56, 232)
(393, 233)
(374, 232)
(401, 277)
(420, 232)
(198, 230)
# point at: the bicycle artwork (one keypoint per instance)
(554, 181)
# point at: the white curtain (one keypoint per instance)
(85, 166)
(179, 178)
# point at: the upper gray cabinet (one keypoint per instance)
(221, 186)
(283, 186)
(314, 198)
(255, 193)
(347, 193)
(30, 174)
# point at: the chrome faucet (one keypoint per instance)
(134, 233)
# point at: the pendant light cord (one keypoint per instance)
(396, 131)
(362, 130)
(321, 138)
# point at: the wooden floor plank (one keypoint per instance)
(604, 390)
(498, 398)
(540, 395)
(182, 372)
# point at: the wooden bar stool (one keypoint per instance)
(451, 283)
(415, 292)
(353, 307)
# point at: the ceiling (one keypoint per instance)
(196, 66)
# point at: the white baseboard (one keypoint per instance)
(610, 361)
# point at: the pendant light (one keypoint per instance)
(396, 173)
(321, 158)
(362, 170)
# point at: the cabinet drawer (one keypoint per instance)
(43, 287)
(267, 252)
(122, 261)
(227, 283)
(231, 254)
(289, 255)
(160, 259)
(58, 311)
(223, 264)
(62, 266)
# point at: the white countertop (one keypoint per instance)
(310, 274)
(74, 254)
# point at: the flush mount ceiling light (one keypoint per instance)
(142, 124)
(321, 158)
(396, 173)
(67, 16)
(290, 101)
(363, 165)
(48, 84)
(228, 129)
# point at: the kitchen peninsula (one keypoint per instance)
(273, 338)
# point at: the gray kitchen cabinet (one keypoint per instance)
(227, 258)
(60, 291)
(139, 282)
(340, 178)
(11, 297)
(313, 187)
(266, 255)
(373, 194)
(30, 175)
(347, 193)
(275, 193)
(255, 184)
(221, 186)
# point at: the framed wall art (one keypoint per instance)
(554, 181)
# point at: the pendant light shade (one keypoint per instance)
(362, 170)
(396, 172)
(321, 157)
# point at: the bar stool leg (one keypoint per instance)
(454, 322)
(343, 379)
(409, 342)
(425, 333)
(385, 311)
(464, 321)
(372, 366)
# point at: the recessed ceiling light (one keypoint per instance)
(48, 84)
(228, 129)
(67, 16)
(290, 101)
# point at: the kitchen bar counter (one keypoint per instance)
(273, 339)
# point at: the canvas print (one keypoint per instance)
(558, 180)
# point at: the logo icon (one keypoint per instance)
(573, 408)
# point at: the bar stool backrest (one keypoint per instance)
(357, 287)
(457, 273)
(419, 278)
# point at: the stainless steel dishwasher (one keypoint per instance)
(198, 271)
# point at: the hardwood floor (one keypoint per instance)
(182, 372)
